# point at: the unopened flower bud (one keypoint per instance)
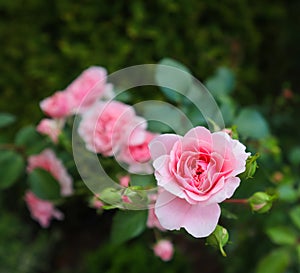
(218, 238)
(164, 250)
(261, 202)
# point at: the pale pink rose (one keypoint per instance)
(51, 128)
(41, 210)
(48, 161)
(137, 155)
(196, 172)
(87, 88)
(164, 250)
(105, 126)
(59, 105)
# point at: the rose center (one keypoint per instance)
(199, 172)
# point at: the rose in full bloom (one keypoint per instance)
(51, 128)
(195, 173)
(164, 250)
(42, 210)
(105, 127)
(48, 161)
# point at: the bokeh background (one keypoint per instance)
(46, 44)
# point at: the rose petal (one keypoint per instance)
(226, 192)
(162, 145)
(174, 213)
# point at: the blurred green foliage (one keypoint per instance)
(44, 45)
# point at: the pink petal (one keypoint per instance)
(164, 178)
(174, 213)
(162, 145)
(226, 192)
(197, 137)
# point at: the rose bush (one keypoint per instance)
(193, 173)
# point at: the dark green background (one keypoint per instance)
(46, 44)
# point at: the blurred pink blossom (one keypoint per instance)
(137, 155)
(48, 161)
(51, 128)
(41, 210)
(59, 105)
(87, 88)
(106, 126)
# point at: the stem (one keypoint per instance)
(237, 201)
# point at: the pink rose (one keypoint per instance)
(196, 172)
(41, 210)
(87, 88)
(164, 250)
(51, 128)
(59, 105)
(137, 155)
(106, 126)
(49, 162)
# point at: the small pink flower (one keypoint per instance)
(87, 88)
(105, 126)
(49, 162)
(41, 210)
(195, 173)
(164, 250)
(59, 105)
(51, 128)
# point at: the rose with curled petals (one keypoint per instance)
(195, 172)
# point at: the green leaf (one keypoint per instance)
(30, 139)
(6, 119)
(170, 79)
(222, 83)
(44, 185)
(287, 192)
(166, 114)
(11, 167)
(282, 235)
(294, 155)
(228, 111)
(142, 180)
(250, 123)
(275, 262)
(295, 216)
(127, 225)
